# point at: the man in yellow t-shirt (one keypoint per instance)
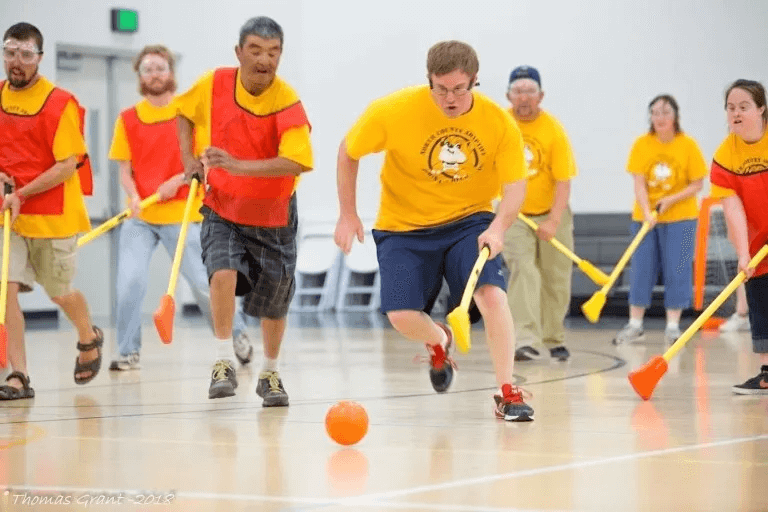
(540, 275)
(146, 146)
(256, 136)
(41, 144)
(449, 151)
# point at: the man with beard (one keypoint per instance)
(540, 275)
(256, 136)
(41, 150)
(145, 144)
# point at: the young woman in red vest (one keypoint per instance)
(41, 150)
(146, 145)
(257, 138)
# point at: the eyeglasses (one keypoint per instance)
(662, 113)
(150, 70)
(26, 56)
(457, 91)
(519, 92)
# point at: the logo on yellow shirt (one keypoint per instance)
(661, 176)
(532, 152)
(452, 155)
(752, 165)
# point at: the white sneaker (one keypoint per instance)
(125, 363)
(243, 348)
(736, 322)
(629, 334)
(671, 335)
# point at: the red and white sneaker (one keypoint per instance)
(510, 406)
(441, 364)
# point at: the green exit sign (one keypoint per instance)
(125, 20)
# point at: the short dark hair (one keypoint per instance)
(263, 27)
(755, 89)
(23, 31)
(667, 98)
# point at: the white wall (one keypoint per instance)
(601, 62)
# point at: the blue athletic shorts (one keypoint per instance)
(413, 264)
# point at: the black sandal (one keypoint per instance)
(92, 366)
(8, 392)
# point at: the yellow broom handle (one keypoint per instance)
(722, 297)
(114, 221)
(6, 261)
(554, 241)
(469, 289)
(182, 235)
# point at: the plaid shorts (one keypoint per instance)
(265, 260)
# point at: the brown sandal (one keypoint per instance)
(91, 366)
(8, 392)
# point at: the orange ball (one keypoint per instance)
(346, 422)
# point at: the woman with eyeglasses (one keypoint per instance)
(668, 171)
(739, 176)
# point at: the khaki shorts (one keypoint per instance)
(48, 261)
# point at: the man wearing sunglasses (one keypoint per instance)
(43, 156)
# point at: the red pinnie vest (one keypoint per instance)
(155, 153)
(248, 200)
(26, 151)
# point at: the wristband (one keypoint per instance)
(22, 198)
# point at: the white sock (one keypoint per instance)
(270, 365)
(636, 323)
(673, 326)
(225, 349)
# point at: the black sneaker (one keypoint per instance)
(560, 353)
(271, 389)
(223, 379)
(441, 366)
(527, 353)
(757, 385)
(510, 406)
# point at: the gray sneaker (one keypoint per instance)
(243, 348)
(671, 335)
(629, 334)
(271, 389)
(125, 363)
(223, 379)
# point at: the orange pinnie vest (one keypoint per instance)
(26, 151)
(155, 153)
(248, 200)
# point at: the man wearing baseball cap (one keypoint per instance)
(540, 276)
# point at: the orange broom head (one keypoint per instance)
(164, 318)
(458, 319)
(712, 323)
(645, 378)
(3, 346)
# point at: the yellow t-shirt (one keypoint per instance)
(436, 169)
(742, 159)
(67, 142)
(668, 168)
(550, 159)
(168, 212)
(196, 103)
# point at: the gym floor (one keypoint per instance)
(151, 439)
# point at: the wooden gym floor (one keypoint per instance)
(152, 440)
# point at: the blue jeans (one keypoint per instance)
(757, 298)
(138, 240)
(668, 248)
